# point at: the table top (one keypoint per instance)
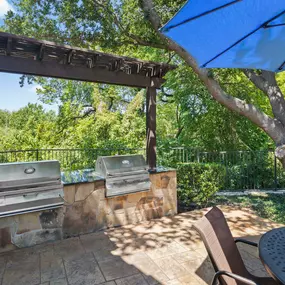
(272, 253)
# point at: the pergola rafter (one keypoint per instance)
(29, 56)
(42, 58)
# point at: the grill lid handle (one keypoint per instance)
(30, 170)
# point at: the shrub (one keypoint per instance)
(198, 182)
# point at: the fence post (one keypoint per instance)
(275, 172)
(37, 155)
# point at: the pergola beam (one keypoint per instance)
(67, 71)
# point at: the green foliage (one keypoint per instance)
(269, 206)
(199, 182)
(97, 115)
(187, 115)
(30, 127)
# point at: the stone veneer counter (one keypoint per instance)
(90, 175)
(86, 209)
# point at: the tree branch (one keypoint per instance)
(125, 31)
(267, 83)
(271, 126)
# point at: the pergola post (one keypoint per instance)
(151, 128)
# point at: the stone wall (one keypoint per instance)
(30, 229)
(86, 210)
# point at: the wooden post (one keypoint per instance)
(151, 128)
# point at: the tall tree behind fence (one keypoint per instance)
(244, 169)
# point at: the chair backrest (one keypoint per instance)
(220, 244)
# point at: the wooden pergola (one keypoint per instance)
(29, 56)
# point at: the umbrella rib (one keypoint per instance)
(200, 15)
(264, 25)
(281, 66)
(272, 26)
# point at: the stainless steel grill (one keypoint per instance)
(124, 174)
(29, 186)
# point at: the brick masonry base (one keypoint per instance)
(87, 210)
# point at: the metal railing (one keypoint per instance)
(70, 159)
(244, 169)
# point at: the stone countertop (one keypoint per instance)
(161, 169)
(80, 176)
(89, 175)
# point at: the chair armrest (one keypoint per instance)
(234, 276)
(246, 242)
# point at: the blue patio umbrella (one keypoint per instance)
(232, 34)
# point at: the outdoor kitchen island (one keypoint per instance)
(86, 209)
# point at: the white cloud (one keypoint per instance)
(34, 88)
(5, 6)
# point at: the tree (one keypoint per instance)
(29, 127)
(131, 27)
(264, 80)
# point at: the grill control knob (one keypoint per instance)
(30, 170)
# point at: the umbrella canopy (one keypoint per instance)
(232, 34)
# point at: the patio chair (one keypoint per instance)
(224, 253)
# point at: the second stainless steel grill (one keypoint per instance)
(29, 186)
(124, 174)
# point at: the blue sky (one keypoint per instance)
(12, 96)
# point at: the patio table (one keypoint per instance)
(272, 253)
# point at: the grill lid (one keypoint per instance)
(124, 174)
(29, 175)
(29, 186)
(120, 164)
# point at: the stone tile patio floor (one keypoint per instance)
(163, 251)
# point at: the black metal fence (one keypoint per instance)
(70, 159)
(244, 169)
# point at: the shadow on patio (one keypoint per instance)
(163, 251)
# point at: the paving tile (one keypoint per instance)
(250, 249)
(202, 252)
(97, 241)
(201, 268)
(117, 268)
(137, 279)
(184, 280)
(164, 251)
(26, 255)
(260, 273)
(83, 271)
(142, 262)
(186, 256)
(105, 254)
(2, 266)
(69, 249)
(62, 281)
(51, 267)
(171, 268)
(109, 283)
(154, 278)
(189, 279)
(40, 248)
(22, 273)
(172, 282)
